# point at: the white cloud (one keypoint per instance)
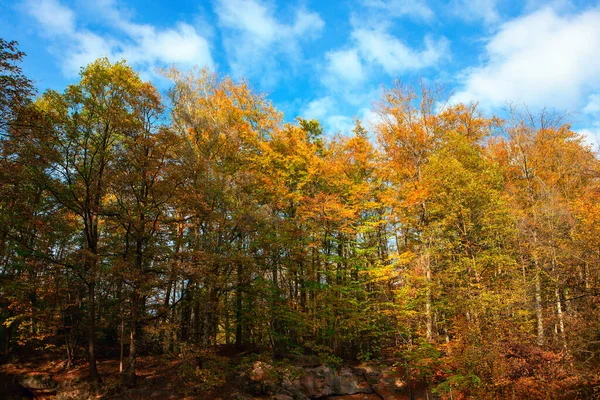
(255, 41)
(83, 48)
(400, 8)
(593, 105)
(53, 16)
(308, 23)
(347, 72)
(370, 49)
(559, 5)
(591, 138)
(248, 16)
(142, 45)
(319, 108)
(331, 113)
(541, 59)
(394, 56)
(180, 45)
(339, 123)
(344, 65)
(327, 111)
(370, 118)
(592, 116)
(477, 10)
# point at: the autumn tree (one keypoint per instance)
(224, 125)
(16, 89)
(459, 247)
(89, 121)
(141, 193)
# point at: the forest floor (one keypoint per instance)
(158, 377)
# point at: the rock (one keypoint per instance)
(281, 397)
(291, 389)
(260, 371)
(37, 382)
(258, 380)
(10, 390)
(348, 382)
(321, 382)
(240, 396)
(391, 385)
(264, 379)
(369, 371)
(152, 394)
(318, 382)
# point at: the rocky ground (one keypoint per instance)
(166, 378)
(364, 381)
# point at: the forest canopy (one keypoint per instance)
(461, 246)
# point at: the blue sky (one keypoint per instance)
(329, 59)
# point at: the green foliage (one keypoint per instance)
(16, 88)
(201, 371)
(459, 247)
(458, 384)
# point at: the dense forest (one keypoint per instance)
(462, 248)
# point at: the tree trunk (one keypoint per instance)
(128, 378)
(90, 253)
(561, 322)
(94, 376)
(428, 306)
(239, 327)
(538, 308)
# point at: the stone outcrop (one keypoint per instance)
(322, 382)
(349, 382)
(37, 382)
(11, 390)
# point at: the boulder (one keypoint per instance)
(348, 382)
(318, 382)
(140, 393)
(293, 389)
(260, 371)
(258, 380)
(323, 381)
(281, 397)
(264, 379)
(38, 381)
(369, 371)
(240, 396)
(11, 390)
(391, 385)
